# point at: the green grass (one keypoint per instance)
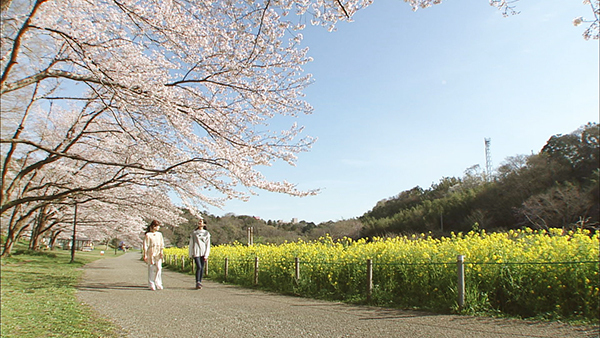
(38, 296)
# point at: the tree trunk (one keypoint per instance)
(53, 238)
(8, 245)
(14, 232)
(34, 243)
(40, 228)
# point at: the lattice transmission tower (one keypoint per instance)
(488, 160)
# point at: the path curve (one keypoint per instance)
(116, 288)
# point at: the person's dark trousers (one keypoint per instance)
(199, 268)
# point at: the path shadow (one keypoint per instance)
(111, 286)
(88, 267)
(104, 287)
(372, 313)
(378, 314)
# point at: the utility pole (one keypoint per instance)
(74, 240)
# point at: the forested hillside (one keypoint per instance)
(231, 228)
(558, 187)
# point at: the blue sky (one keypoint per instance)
(405, 98)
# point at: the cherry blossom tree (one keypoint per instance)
(106, 211)
(105, 215)
(178, 96)
(171, 96)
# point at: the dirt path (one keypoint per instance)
(116, 288)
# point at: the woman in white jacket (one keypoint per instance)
(200, 249)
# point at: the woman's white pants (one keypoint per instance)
(155, 275)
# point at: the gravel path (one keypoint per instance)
(116, 288)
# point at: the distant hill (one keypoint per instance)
(558, 187)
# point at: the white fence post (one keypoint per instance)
(369, 279)
(460, 264)
(256, 270)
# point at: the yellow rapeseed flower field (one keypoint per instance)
(551, 274)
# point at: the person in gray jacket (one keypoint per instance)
(200, 249)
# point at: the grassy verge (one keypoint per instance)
(38, 296)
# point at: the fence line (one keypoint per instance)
(250, 260)
(533, 263)
(370, 263)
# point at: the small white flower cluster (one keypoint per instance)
(505, 6)
(593, 30)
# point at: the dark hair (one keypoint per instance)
(153, 224)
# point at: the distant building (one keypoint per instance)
(294, 220)
(81, 244)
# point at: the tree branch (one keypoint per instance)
(343, 8)
(17, 43)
